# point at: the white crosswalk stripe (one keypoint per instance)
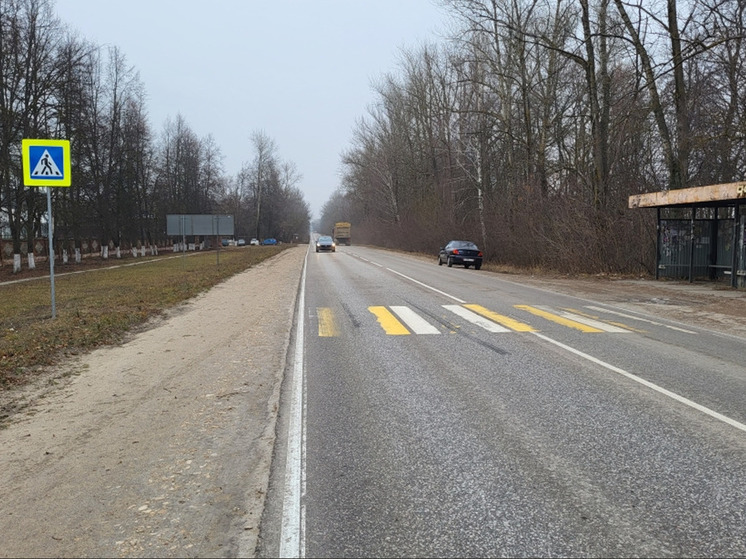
(415, 322)
(474, 318)
(595, 323)
(640, 319)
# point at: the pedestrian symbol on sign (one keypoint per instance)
(46, 167)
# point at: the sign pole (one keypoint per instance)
(47, 163)
(215, 237)
(51, 249)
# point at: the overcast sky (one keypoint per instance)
(299, 70)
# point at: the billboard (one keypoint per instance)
(199, 224)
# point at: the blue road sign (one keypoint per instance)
(46, 162)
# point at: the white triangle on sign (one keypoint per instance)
(46, 167)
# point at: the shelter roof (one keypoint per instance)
(712, 195)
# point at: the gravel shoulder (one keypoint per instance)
(162, 446)
(159, 447)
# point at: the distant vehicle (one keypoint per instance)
(269, 241)
(254, 242)
(241, 242)
(325, 243)
(460, 252)
(341, 233)
(225, 242)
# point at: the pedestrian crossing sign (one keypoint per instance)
(46, 162)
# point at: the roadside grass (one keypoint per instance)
(100, 306)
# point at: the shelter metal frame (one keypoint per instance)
(720, 208)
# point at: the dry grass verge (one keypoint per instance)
(100, 306)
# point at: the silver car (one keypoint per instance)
(325, 243)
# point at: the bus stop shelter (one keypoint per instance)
(701, 232)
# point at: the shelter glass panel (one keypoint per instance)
(724, 259)
(677, 251)
(675, 248)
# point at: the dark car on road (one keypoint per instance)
(325, 243)
(464, 253)
(270, 241)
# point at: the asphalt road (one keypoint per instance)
(450, 412)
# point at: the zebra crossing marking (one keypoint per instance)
(327, 323)
(389, 322)
(593, 321)
(401, 320)
(501, 319)
(415, 322)
(570, 323)
(641, 319)
(474, 318)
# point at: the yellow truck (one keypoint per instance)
(342, 233)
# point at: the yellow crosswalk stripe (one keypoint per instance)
(389, 322)
(594, 321)
(327, 323)
(558, 319)
(501, 319)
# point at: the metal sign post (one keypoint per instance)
(47, 163)
(51, 249)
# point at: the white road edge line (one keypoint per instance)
(672, 395)
(293, 516)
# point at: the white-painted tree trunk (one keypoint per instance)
(65, 256)
(31, 261)
(16, 263)
(77, 256)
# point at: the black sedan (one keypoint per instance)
(460, 252)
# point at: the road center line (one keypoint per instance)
(431, 288)
(673, 395)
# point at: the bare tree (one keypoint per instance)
(262, 168)
(28, 36)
